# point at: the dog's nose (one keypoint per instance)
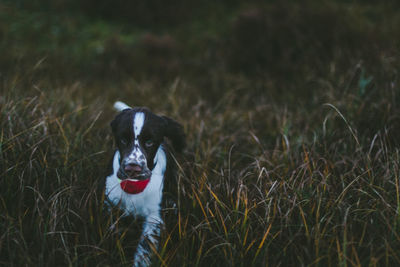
(133, 169)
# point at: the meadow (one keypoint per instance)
(291, 113)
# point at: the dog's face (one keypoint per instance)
(138, 134)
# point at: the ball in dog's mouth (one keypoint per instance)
(134, 186)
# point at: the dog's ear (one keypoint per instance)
(174, 132)
(114, 123)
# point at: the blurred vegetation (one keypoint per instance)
(291, 110)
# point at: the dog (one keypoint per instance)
(140, 167)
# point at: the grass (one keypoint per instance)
(287, 164)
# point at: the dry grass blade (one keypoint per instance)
(344, 119)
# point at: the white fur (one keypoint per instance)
(120, 106)
(138, 122)
(151, 230)
(146, 203)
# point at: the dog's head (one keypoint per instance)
(139, 134)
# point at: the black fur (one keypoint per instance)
(174, 132)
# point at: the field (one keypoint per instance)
(291, 113)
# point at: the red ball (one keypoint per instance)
(134, 187)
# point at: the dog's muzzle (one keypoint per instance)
(133, 171)
(134, 178)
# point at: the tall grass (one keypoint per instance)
(266, 185)
(293, 161)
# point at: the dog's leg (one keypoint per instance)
(148, 241)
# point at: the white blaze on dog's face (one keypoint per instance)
(138, 134)
(136, 156)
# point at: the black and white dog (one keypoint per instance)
(140, 167)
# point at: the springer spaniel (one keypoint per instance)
(139, 169)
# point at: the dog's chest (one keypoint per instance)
(143, 204)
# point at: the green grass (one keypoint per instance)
(292, 157)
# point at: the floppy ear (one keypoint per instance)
(174, 132)
(114, 123)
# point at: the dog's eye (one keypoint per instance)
(149, 143)
(124, 142)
